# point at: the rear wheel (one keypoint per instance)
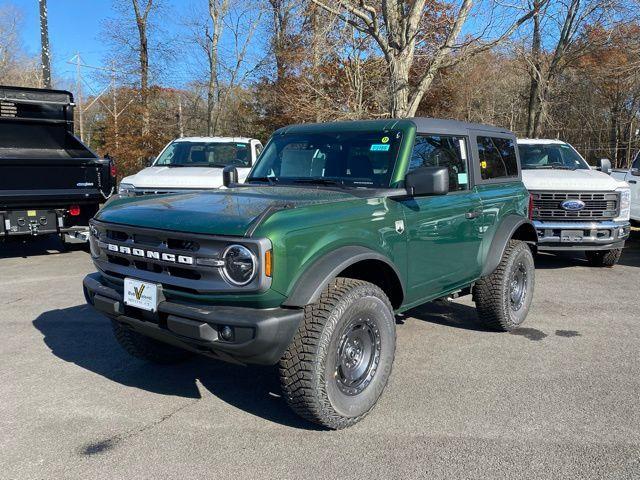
(340, 359)
(603, 258)
(504, 297)
(147, 348)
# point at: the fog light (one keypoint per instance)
(226, 333)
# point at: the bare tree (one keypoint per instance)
(16, 66)
(397, 29)
(561, 22)
(218, 9)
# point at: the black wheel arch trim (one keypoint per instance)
(323, 270)
(505, 231)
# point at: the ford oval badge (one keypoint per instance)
(572, 205)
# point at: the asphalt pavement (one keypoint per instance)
(558, 398)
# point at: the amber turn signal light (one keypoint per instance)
(268, 263)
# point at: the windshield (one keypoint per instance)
(354, 159)
(534, 156)
(205, 154)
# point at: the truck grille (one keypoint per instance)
(598, 205)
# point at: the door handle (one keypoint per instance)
(632, 181)
(473, 214)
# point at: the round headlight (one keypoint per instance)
(240, 265)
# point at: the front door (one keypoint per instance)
(443, 232)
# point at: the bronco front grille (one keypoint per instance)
(597, 206)
(178, 261)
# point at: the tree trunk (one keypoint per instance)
(399, 85)
(217, 10)
(141, 22)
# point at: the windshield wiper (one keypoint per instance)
(271, 180)
(320, 181)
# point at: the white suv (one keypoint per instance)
(573, 206)
(193, 163)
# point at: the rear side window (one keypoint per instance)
(442, 151)
(497, 158)
(636, 162)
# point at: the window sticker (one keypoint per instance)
(385, 140)
(463, 179)
(463, 149)
(241, 145)
(483, 164)
(380, 147)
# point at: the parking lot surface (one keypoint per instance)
(559, 398)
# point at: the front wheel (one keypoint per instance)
(503, 298)
(603, 258)
(340, 359)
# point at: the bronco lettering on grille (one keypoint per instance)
(151, 254)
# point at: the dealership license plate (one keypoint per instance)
(141, 294)
(571, 236)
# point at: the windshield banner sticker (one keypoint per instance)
(380, 147)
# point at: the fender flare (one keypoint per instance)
(323, 270)
(503, 234)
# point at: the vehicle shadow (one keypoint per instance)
(449, 314)
(82, 336)
(33, 247)
(631, 253)
(630, 256)
(550, 261)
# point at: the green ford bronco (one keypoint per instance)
(338, 227)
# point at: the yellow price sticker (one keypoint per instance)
(483, 164)
(385, 140)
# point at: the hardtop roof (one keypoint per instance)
(423, 125)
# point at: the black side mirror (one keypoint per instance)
(605, 165)
(635, 172)
(229, 175)
(150, 161)
(427, 181)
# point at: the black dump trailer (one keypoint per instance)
(50, 182)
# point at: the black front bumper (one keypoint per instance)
(260, 336)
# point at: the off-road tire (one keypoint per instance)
(603, 258)
(310, 372)
(147, 348)
(493, 293)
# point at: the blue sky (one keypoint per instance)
(73, 25)
(79, 26)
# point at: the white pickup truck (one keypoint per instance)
(573, 206)
(632, 177)
(193, 163)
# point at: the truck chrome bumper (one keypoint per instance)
(595, 235)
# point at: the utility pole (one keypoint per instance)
(44, 41)
(79, 95)
(180, 125)
(631, 135)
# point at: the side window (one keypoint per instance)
(443, 151)
(497, 157)
(636, 162)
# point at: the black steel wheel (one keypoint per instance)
(358, 356)
(503, 298)
(339, 361)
